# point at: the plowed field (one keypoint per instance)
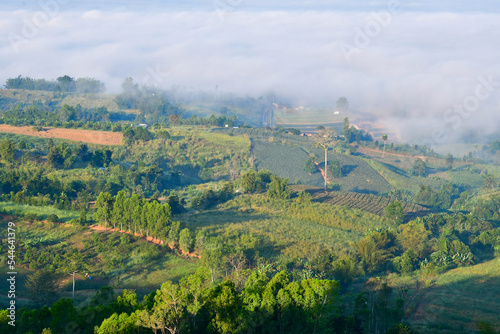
(87, 136)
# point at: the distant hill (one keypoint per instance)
(54, 99)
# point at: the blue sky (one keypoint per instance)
(408, 63)
(260, 5)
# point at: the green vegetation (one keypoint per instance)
(203, 224)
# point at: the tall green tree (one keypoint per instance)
(345, 128)
(384, 138)
(185, 240)
(104, 206)
(118, 212)
(169, 311)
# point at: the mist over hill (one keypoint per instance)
(428, 70)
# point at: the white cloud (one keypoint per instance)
(418, 66)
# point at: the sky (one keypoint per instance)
(428, 68)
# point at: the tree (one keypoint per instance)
(413, 236)
(419, 168)
(278, 188)
(174, 119)
(169, 311)
(249, 181)
(185, 240)
(335, 169)
(22, 145)
(225, 304)
(376, 249)
(123, 323)
(104, 205)
(345, 128)
(83, 217)
(384, 138)
(173, 233)
(73, 265)
(310, 165)
(489, 181)
(66, 84)
(449, 161)
(325, 138)
(119, 209)
(7, 150)
(89, 85)
(212, 259)
(395, 212)
(42, 287)
(175, 203)
(342, 104)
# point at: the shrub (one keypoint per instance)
(31, 217)
(278, 188)
(53, 218)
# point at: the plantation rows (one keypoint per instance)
(370, 203)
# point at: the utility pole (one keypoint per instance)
(73, 274)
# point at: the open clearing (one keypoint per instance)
(87, 136)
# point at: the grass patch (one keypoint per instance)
(42, 212)
(237, 143)
(398, 181)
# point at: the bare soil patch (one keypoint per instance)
(87, 136)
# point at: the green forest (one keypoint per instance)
(204, 221)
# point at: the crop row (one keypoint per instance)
(368, 202)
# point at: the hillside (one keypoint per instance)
(214, 200)
(14, 96)
(124, 262)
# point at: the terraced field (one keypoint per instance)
(370, 203)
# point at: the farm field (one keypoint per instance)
(399, 178)
(285, 155)
(87, 136)
(307, 119)
(369, 203)
(286, 229)
(288, 161)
